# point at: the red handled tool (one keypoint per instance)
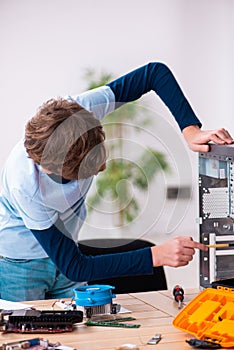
(178, 293)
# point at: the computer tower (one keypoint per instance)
(216, 213)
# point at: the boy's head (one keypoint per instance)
(66, 139)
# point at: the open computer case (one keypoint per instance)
(216, 213)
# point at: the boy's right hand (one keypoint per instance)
(176, 252)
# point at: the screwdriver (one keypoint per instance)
(178, 293)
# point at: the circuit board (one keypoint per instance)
(36, 321)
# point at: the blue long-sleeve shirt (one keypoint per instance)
(34, 207)
(159, 78)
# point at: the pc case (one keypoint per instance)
(216, 213)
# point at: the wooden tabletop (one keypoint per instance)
(154, 311)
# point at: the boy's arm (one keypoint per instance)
(76, 266)
(157, 77)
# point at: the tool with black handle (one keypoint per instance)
(178, 293)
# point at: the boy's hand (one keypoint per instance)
(198, 139)
(175, 252)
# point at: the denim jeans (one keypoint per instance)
(22, 280)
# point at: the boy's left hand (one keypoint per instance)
(198, 139)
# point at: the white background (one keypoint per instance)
(46, 46)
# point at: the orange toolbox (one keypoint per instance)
(209, 316)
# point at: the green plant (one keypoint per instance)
(116, 182)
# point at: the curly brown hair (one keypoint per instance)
(66, 139)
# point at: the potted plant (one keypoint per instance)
(123, 173)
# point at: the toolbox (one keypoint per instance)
(209, 316)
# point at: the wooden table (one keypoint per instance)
(154, 311)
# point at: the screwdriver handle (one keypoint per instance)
(178, 293)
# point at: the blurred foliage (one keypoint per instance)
(116, 183)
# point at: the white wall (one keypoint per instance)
(46, 45)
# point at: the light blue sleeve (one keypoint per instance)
(100, 101)
(33, 214)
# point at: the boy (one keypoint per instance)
(47, 177)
